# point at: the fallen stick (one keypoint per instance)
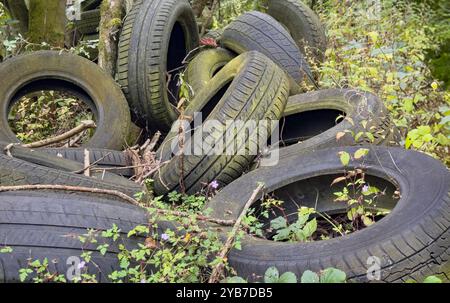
(67, 135)
(218, 269)
(87, 163)
(117, 194)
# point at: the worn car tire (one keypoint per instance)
(250, 87)
(109, 159)
(49, 70)
(412, 242)
(260, 32)
(214, 34)
(205, 65)
(303, 25)
(14, 172)
(46, 224)
(89, 22)
(156, 37)
(310, 123)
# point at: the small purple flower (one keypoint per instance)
(81, 265)
(165, 237)
(214, 184)
(365, 188)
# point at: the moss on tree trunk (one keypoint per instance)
(47, 22)
(112, 12)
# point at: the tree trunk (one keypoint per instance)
(112, 13)
(19, 12)
(47, 22)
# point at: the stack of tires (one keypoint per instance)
(166, 77)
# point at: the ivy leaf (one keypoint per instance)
(272, 275)
(310, 277)
(333, 275)
(288, 277)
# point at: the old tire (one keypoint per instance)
(214, 34)
(50, 70)
(89, 23)
(156, 37)
(260, 32)
(303, 25)
(109, 159)
(310, 123)
(250, 87)
(40, 225)
(411, 242)
(205, 65)
(14, 172)
(90, 4)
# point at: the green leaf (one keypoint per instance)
(345, 158)
(432, 279)
(333, 275)
(272, 275)
(310, 228)
(310, 277)
(278, 223)
(360, 153)
(235, 280)
(288, 277)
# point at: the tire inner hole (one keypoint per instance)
(50, 107)
(175, 56)
(305, 125)
(316, 193)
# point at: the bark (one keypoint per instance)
(112, 13)
(47, 22)
(19, 12)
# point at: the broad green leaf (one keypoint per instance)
(333, 275)
(288, 277)
(345, 158)
(272, 275)
(310, 277)
(278, 223)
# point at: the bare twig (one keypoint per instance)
(80, 128)
(87, 163)
(218, 269)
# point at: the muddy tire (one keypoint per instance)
(250, 87)
(47, 224)
(214, 34)
(311, 121)
(52, 70)
(156, 37)
(412, 242)
(260, 32)
(303, 25)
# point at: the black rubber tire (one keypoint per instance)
(214, 34)
(260, 32)
(149, 47)
(44, 70)
(204, 66)
(47, 224)
(89, 23)
(304, 26)
(314, 115)
(109, 159)
(413, 241)
(258, 92)
(90, 4)
(14, 171)
(50, 159)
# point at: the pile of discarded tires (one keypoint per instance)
(256, 73)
